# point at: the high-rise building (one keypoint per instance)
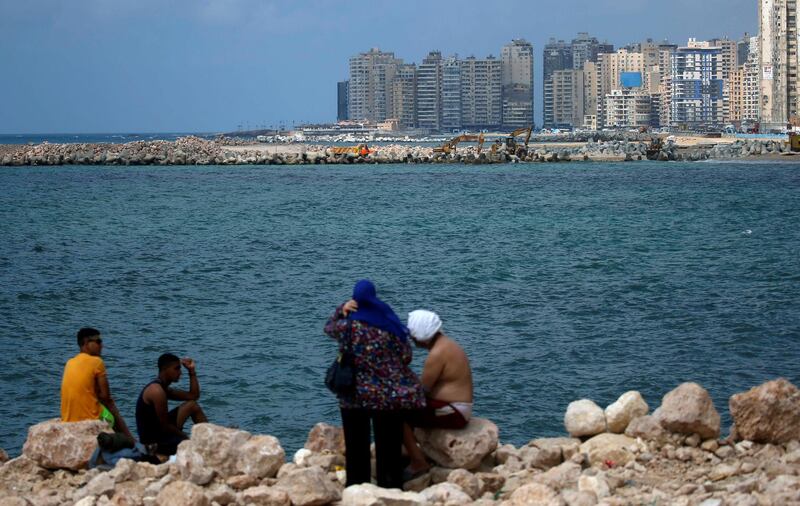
(557, 55)
(451, 94)
(743, 50)
(370, 88)
(481, 93)
(404, 96)
(611, 66)
(628, 108)
(779, 62)
(429, 92)
(751, 110)
(585, 48)
(568, 98)
(517, 65)
(697, 99)
(341, 100)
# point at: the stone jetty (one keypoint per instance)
(226, 151)
(622, 454)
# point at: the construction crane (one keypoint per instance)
(450, 146)
(361, 149)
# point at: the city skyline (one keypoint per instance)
(213, 65)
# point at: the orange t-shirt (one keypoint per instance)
(78, 394)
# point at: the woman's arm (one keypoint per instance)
(337, 324)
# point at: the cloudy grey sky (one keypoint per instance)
(93, 66)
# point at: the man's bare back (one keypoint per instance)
(447, 374)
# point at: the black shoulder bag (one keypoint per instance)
(341, 375)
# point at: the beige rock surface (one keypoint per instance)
(463, 448)
(63, 445)
(689, 409)
(534, 494)
(309, 486)
(265, 496)
(368, 494)
(584, 418)
(446, 494)
(610, 448)
(325, 437)
(768, 413)
(181, 493)
(619, 414)
(260, 456)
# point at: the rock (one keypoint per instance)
(368, 494)
(468, 482)
(724, 470)
(222, 494)
(688, 409)
(419, 483)
(181, 493)
(191, 465)
(615, 449)
(464, 448)
(630, 405)
(265, 496)
(63, 445)
(768, 413)
(325, 437)
(492, 482)
(647, 428)
(540, 458)
(128, 493)
(220, 448)
(504, 452)
(308, 486)
(102, 484)
(535, 494)
(579, 498)
(447, 494)
(242, 481)
(596, 484)
(301, 455)
(260, 456)
(3, 456)
(561, 477)
(566, 446)
(584, 418)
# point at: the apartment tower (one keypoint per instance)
(517, 64)
(779, 62)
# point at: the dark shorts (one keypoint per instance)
(167, 444)
(427, 418)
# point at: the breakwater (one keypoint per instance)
(619, 455)
(222, 151)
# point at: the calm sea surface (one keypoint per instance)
(561, 281)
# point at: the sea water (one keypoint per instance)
(561, 281)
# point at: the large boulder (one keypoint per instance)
(368, 494)
(614, 449)
(584, 418)
(260, 456)
(325, 437)
(181, 493)
(463, 448)
(768, 413)
(215, 450)
(561, 477)
(688, 409)
(63, 445)
(308, 486)
(563, 447)
(629, 406)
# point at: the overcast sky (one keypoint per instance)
(94, 66)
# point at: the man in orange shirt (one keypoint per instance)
(85, 394)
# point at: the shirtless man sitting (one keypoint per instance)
(447, 379)
(154, 422)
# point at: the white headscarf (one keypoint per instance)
(423, 325)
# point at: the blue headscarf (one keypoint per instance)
(374, 311)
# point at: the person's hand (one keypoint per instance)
(189, 364)
(349, 307)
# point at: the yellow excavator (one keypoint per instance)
(450, 146)
(511, 141)
(360, 150)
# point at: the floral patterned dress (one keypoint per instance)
(384, 380)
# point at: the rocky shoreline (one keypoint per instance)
(619, 455)
(223, 151)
